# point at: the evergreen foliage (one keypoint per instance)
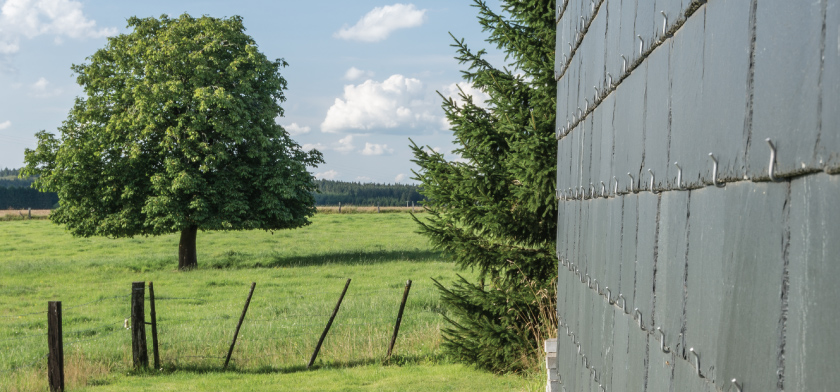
(18, 198)
(176, 132)
(350, 193)
(496, 213)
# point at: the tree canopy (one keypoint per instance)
(496, 213)
(176, 132)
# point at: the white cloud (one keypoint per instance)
(400, 177)
(41, 89)
(354, 73)
(377, 149)
(327, 175)
(294, 129)
(379, 23)
(5, 124)
(345, 144)
(316, 146)
(397, 102)
(31, 18)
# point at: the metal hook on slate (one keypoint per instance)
(715, 171)
(559, 133)
(736, 385)
(637, 314)
(570, 47)
(557, 195)
(615, 191)
(623, 303)
(662, 346)
(603, 190)
(565, 59)
(641, 44)
(597, 93)
(609, 80)
(679, 176)
(772, 160)
(586, 108)
(697, 361)
(584, 278)
(556, 76)
(597, 288)
(582, 22)
(664, 23)
(580, 113)
(623, 64)
(632, 181)
(585, 361)
(608, 295)
(591, 191)
(594, 374)
(651, 182)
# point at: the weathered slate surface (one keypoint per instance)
(744, 274)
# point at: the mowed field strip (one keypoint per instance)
(299, 275)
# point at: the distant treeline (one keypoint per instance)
(16, 193)
(357, 194)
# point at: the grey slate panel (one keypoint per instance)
(660, 368)
(612, 273)
(706, 287)
(726, 61)
(813, 338)
(627, 35)
(753, 265)
(657, 109)
(646, 17)
(595, 168)
(637, 368)
(643, 298)
(687, 125)
(607, 133)
(828, 147)
(629, 116)
(619, 373)
(787, 70)
(629, 246)
(670, 265)
(613, 15)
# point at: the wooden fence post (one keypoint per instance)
(241, 319)
(138, 325)
(377, 208)
(55, 362)
(329, 324)
(153, 316)
(399, 317)
(339, 207)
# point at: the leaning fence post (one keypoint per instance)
(339, 207)
(153, 316)
(241, 319)
(138, 325)
(55, 340)
(329, 324)
(399, 317)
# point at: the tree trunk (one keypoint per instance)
(186, 249)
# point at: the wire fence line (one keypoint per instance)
(366, 315)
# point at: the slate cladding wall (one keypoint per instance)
(666, 258)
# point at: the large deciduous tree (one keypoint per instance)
(176, 133)
(494, 210)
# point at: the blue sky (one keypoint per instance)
(362, 75)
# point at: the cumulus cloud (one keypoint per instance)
(31, 18)
(5, 124)
(397, 102)
(327, 175)
(354, 73)
(294, 129)
(400, 177)
(344, 144)
(379, 23)
(377, 149)
(41, 89)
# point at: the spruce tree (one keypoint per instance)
(496, 212)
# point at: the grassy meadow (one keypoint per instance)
(299, 275)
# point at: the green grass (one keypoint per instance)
(299, 276)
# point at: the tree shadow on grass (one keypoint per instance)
(396, 360)
(234, 260)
